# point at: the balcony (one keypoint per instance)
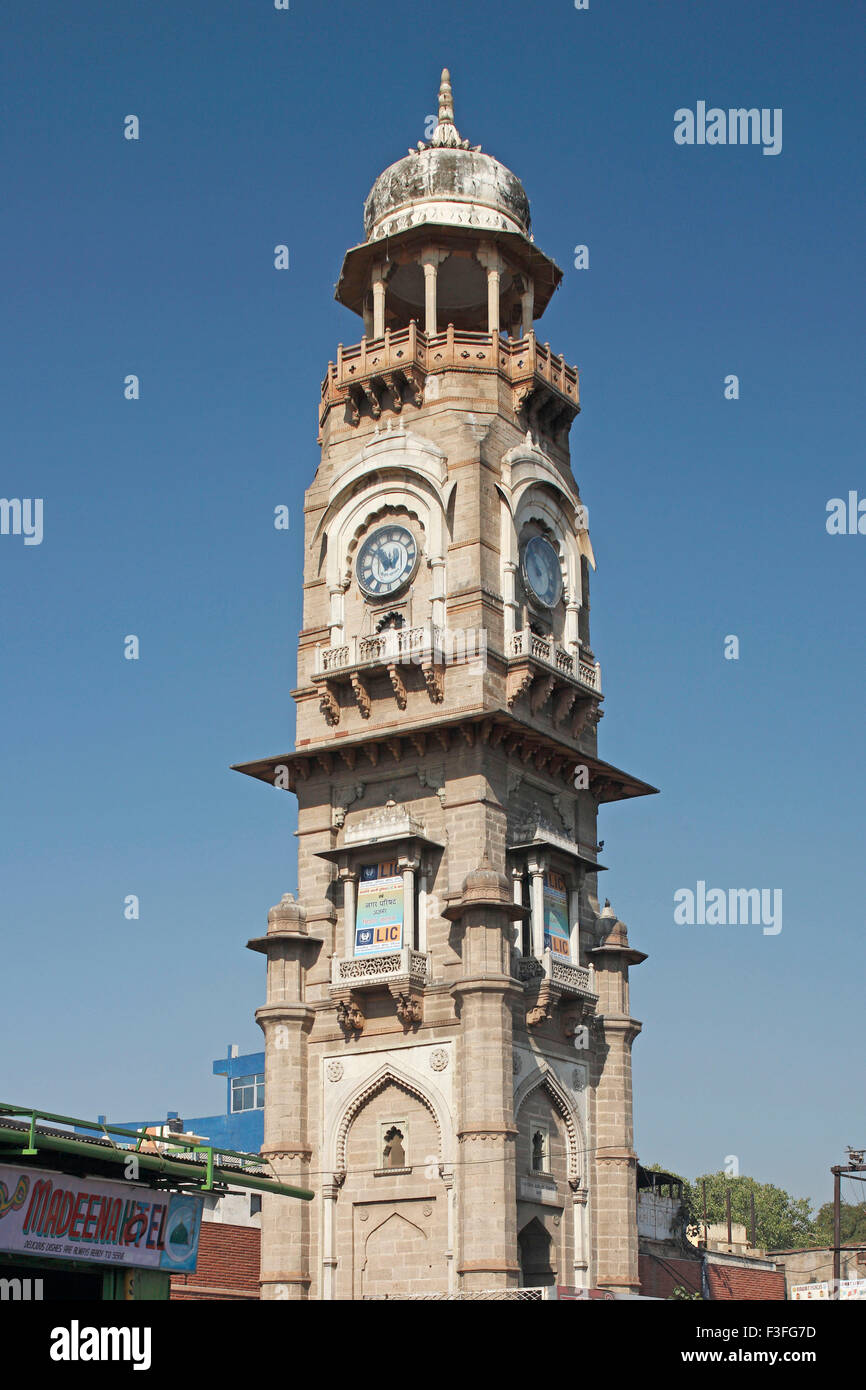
(381, 373)
(542, 670)
(551, 981)
(551, 654)
(354, 661)
(403, 973)
(574, 980)
(406, 967)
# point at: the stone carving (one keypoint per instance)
(434, 778)
(349, 1017)
(410, 1009)
(514, 780)
(535, 1017)
(341, 799)
(516, 1064)
(578, 1079)
(334, 1071)
(427, 1209)
(329, 705)
(398, 686)
(362, 695)
(439, 1059)
(435, 683)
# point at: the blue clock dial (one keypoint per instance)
(541, 571)
(386, 560)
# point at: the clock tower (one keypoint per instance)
(447, 1026)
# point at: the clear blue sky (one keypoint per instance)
(707, 516)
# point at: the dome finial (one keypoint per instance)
(446, 100)
(446, 135)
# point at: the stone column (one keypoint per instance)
(574, 923)
(378, 303)
(537, 866)
(335, 596)
(486, 1132)
(422, 907)
(437, 590)
(581, 1237)
(349, 880)
(407, 868)
(430, 261)
(615, 1195)
(286, 1022)
(509, 569)
(517, 885)
(527, 306)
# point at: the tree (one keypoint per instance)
(853, 1216)
(781, 1221)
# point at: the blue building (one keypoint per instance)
(241, 1125)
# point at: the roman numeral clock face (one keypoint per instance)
(386, 560)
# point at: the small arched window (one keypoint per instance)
(394, 1149)
(540, 1150)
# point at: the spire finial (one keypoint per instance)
(446, 100)
(446, 135)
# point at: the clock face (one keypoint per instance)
(386, 560)
(541, 572)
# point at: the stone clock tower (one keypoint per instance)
(447, 1027)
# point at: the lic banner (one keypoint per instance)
(556, 933)
(379, 913)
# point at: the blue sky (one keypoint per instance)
(707, 516)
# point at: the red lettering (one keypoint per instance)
(40, 1198)
(50, 1227)
(65, 1214)
(111, 1229)
(155, 1222)
(90, 1219)
(77, 1216)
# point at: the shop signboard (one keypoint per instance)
(54, 1216)
(379, 909)
(556, 933)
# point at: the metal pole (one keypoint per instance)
(704, 1185)
(155, 1163)
(728, 1213)
(837, 1229)
(752, 1214)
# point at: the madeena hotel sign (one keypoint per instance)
(58, 1217)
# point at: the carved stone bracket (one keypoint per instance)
(562, 703)
(434, 778)
(410, 1008)
(542, 1009)
(541, 692)
(341, 799)
(362, 695)
(397, 683)
(349, 1016)
(329, 704)
(434, 679)
(517, 684)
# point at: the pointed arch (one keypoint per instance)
(387, 1075)
(545, 1077)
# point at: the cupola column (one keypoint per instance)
(378, 303)
(492, 263)
(527, 306)
(430, 261)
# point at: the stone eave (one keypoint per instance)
(358, 260)
(537, 749)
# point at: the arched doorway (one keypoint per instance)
(535, 1249)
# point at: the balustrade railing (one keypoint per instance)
(546, 650)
